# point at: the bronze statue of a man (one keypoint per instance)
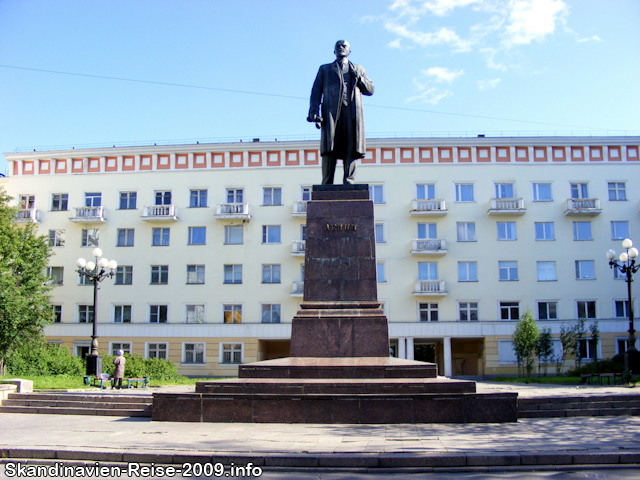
(338, 88)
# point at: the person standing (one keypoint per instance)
(118, 374)
(337, 91)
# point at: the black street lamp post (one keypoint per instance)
(626, 264)
(95, 272)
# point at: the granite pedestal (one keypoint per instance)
(339, 370)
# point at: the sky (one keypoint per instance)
(137, 72)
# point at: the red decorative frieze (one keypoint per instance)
(577, 154)
(483, 154)
(406, 155)
(27, 167)
(146, 162)
(614, 154)
(426, 155)
(199, 160)
(311, 157)
(61, 165)
(44, 166)
(539, 154)
(522, 154)
(291, 157)
(558, 154)
(632, 154)
(273, 159)
(370, 156)
(128, 163)
(464, 155)
(182, 161)
(387, 155)
(255, 159)
(163, 162)
(503, 154)
(217, 160)
(111, 164)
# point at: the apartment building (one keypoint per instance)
(209, 241)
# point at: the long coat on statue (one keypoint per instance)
(327, 90)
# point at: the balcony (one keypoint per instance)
(231, 211)
(425, 246)
(429, 288)
(583, 206)
(507, 206)
(27, 215)
(299, 209)
(297, 289)
(434, 207)
(88, 215)
(298, 248)
(159, 213)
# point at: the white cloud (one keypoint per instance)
(442, 74)
(594, 38)
(442, 36)
(487, 84)
(532, 20)
(439, 8)
(395, 44)
(431, 95)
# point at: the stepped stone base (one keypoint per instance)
(74, 404)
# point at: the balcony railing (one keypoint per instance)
(507, 206)
(297, 289)
(88, 215)
(299, 209)
(583, 206)
(429, 288)
(28, 215)
(298, 248)
(428, 207)
(232, 210)
(425, 246)
(159, 213)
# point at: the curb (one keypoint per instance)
(339, 461)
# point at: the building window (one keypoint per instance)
(232, 313)
(428, 312)
(376, 193)
(197, 236)
(159, 274)
(617, 191)
(85, 313)
(547, 310)
(90, 237)
(233, 274)
(92, 199)
(619, 230)
(124, 275)
(160, 237)
(546, 271)
(466, 231)
(467, 271)
(464, 192)
(544, 231)
(197, 198)
(195, 274)
(194, 314)
(621, 308)
(508, 271)
(158, 313)
(124, 346)
(271, 313)
(270, 234)
(122, 314)
(381, 272)
(163, 197)
(157, 350)
(56, 275)
(425, 191)
(542, 192)
(468, 311)
(305, 193)
(59, 202)
(233, 235)
(270, 273)
(504, 190)
(586, 309)
(235, 195)
(271, 196)
(194, 353)
(587, 348)
(427, 271)
(57, 313)
(27, 202)
(128, 200)
(582, 231)
(509, 311)
(56, 238)
(618, 275)
(231, 353)
(579, 190)
(380, 232)
(585, 270)
(622, 345)
(125, 237)
(506, 230)
(83, 279)
(427, 231)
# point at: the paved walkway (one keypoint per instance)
(547, 441)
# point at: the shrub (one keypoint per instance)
(601, 366)
(36, 357)
(137, 367)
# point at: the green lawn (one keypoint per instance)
(63, 382)
(561, 380)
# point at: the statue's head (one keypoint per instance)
(342, 49)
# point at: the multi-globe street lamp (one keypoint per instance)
(626, 265)
(95, 272)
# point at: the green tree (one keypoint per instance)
(525, 339)
(579, 331)
(24, 303)
(544, 349)
(567, 338)
(595, 335)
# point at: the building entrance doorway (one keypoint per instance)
(425, 353)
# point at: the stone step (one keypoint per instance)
(579, 413)
(78, 411)
(73, 397)
(604, 405)
(65, 404)
(75, 404)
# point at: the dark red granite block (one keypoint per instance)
(340, 192)
(226, 409)
(177, 408)
(485, 408)
(439, 409)
(386, 409)
(317, 410)
(346, 409)
(273, 410)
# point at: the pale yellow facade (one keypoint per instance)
(459, 237)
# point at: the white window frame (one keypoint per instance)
(577, 309)
(430, 233)
(468, 309)
(223, 309)
(199, 196)
(634, 301)
(235, 269)
(265, 234)
(87, 238)
(88, 309)
(115, 306)
(61, 276)
(227, 236)
(579, 273)
(544, 266)
(196, 274)
(579, 235)
(382, 265)
(128, 199)
(373, 188)
(582, 189)
(183, 360)
(160, 270)
(271, 309)
(498, 186)
(272, 194)
(458, 192)
(544, 231)
(57, 238)
(231, 195)
(506, 354)
(149, 306)
(120, 345)
(509, 307)
(466, 232)
(147, 349)
(509, 232)
(121, 272)
(428, 268)
(589, 359)
(426, 186)
(381, 225)
(430, 309)
(191, 235)
(195, 306)
(162, 197)
(547, 302)
(62, 201)
(467, 272)
(270, 271)
(502, 266)
(161, 236)
(626, 340)
(614, 233)
(92, 199)
(55, 306)
(129, 237)
(536, 192)
(305, 191)
(221, 351)
(617, 189)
